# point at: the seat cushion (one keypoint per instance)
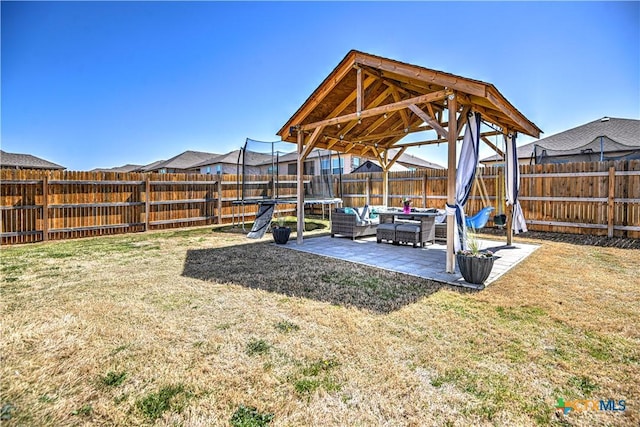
(387, 226)
(412, 228)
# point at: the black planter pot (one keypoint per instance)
(281, 235)
(474, 269)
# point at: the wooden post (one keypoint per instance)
(367, 190)
(385, 180)
(219, 200)
(385, 187)
(359, 90)
(147, 204)
(509, 208)
(452, 107)
(45, 208)
(611, 201)
(500, 191)
(300, 188)
(509, 224)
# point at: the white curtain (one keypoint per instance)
(512, 181)
(465, 174)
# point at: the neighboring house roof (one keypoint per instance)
(406, 159)
(26, 161)
(315, 153)
(125, 168)
(187, 160)
(151, 166)
(252, 158)
(374, 166)
(618, 135)
(409, 159)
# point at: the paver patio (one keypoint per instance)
(428, 262)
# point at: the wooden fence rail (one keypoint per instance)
(589, 198)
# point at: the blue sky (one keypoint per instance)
(101, 84)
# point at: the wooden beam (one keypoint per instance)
(430, 121)
(403, 114)
(359, 94)
(505, 107)
(494, 117)
(492, 145)
(396, 156)
(441, 140)
(319, 94)
(451, 182)
(379, 99)
(350, 98)
(378, 110)
(462, 119)
(407, 84)
(311, 142)
(300, 188)
(388, 134)
(377, 154)
(400, 86)
(350, 147)
(422, 74)
(379, 121)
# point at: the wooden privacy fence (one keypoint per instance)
(52, 205)
(587, 198)
(600, 198)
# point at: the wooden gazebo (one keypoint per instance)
(369, 104)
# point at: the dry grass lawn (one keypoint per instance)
(198, 328)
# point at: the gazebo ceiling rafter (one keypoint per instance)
(376, 111)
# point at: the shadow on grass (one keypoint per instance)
(297, 274)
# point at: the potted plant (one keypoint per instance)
(280, 232)
(475, 264)
(406, 205)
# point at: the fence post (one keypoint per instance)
(219, 201)
(45, 208)
(611, 201)
(424, 189)
(147, 205)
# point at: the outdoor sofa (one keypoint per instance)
(354, 222)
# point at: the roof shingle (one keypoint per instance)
(619, 135)
(26, 161)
